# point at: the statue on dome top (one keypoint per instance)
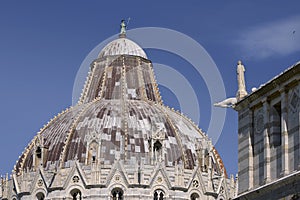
(123, 28)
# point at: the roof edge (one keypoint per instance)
(271, 84)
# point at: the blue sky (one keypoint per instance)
(43, 43)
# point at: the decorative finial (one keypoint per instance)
(123, 29)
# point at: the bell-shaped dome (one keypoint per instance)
(119, 140)
(122, 46)
(120, 116)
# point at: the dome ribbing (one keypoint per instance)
(122, 46)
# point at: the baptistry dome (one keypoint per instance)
(120, 117)
(120, 142)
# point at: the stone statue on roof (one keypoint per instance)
(123, 27)
(241, 93)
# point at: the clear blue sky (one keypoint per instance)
(42, 45)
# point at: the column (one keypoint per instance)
(267, 169)
(284, 134)
(250, 150)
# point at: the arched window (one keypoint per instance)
(76, 194)
(157, 148)
(159, 195)
(40, 196)
(117, 194)
(195, 196)
(38, 152)
(93, 152)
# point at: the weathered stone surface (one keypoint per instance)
(269, 156)
(119, 142)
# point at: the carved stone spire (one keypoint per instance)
(241, 93)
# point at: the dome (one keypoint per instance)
(120, 116)
(119, 140)
(122, 46)
(103, 130)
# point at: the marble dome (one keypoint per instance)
(120, 141)
(120, 116)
